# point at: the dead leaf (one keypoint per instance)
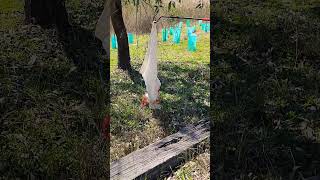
(312, 108)
(303, 125)
(309, 133)
(79, 107)
(73, 68)
(32, 60)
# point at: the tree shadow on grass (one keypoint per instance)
(135, 76)
(259, 108)
(58, 107)
(91, 78)
(88, 55)
(84, 49)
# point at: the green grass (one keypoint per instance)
(266, 90)
(10, 6)
(196, 168)
(168, 51)
(184, 93)
(11, 14)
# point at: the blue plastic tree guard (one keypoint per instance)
(176, 35)
(190, 30)
(130, 38)
(192, 42)
(207, 29)
(114, 43)
(203, 27)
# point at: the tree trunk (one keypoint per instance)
(122, 38)
(27, 11)
(46, 13)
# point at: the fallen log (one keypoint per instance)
(161, 156)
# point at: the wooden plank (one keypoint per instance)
(148, 162)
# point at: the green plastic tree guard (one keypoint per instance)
(171, 31)
(188, 23)
(164, 34)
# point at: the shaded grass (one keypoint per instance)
(266, 90)
(51, 99)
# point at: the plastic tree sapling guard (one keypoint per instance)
(176, 35)
(171, 31)
(192, 42)
(149, 72)
(188, 23)
(114, 43)
(164, 34)
(130, 38)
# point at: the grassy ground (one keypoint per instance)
(184, 97)
(197, 168)
(265, 94)
(50, 96)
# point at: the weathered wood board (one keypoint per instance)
(149, 162)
